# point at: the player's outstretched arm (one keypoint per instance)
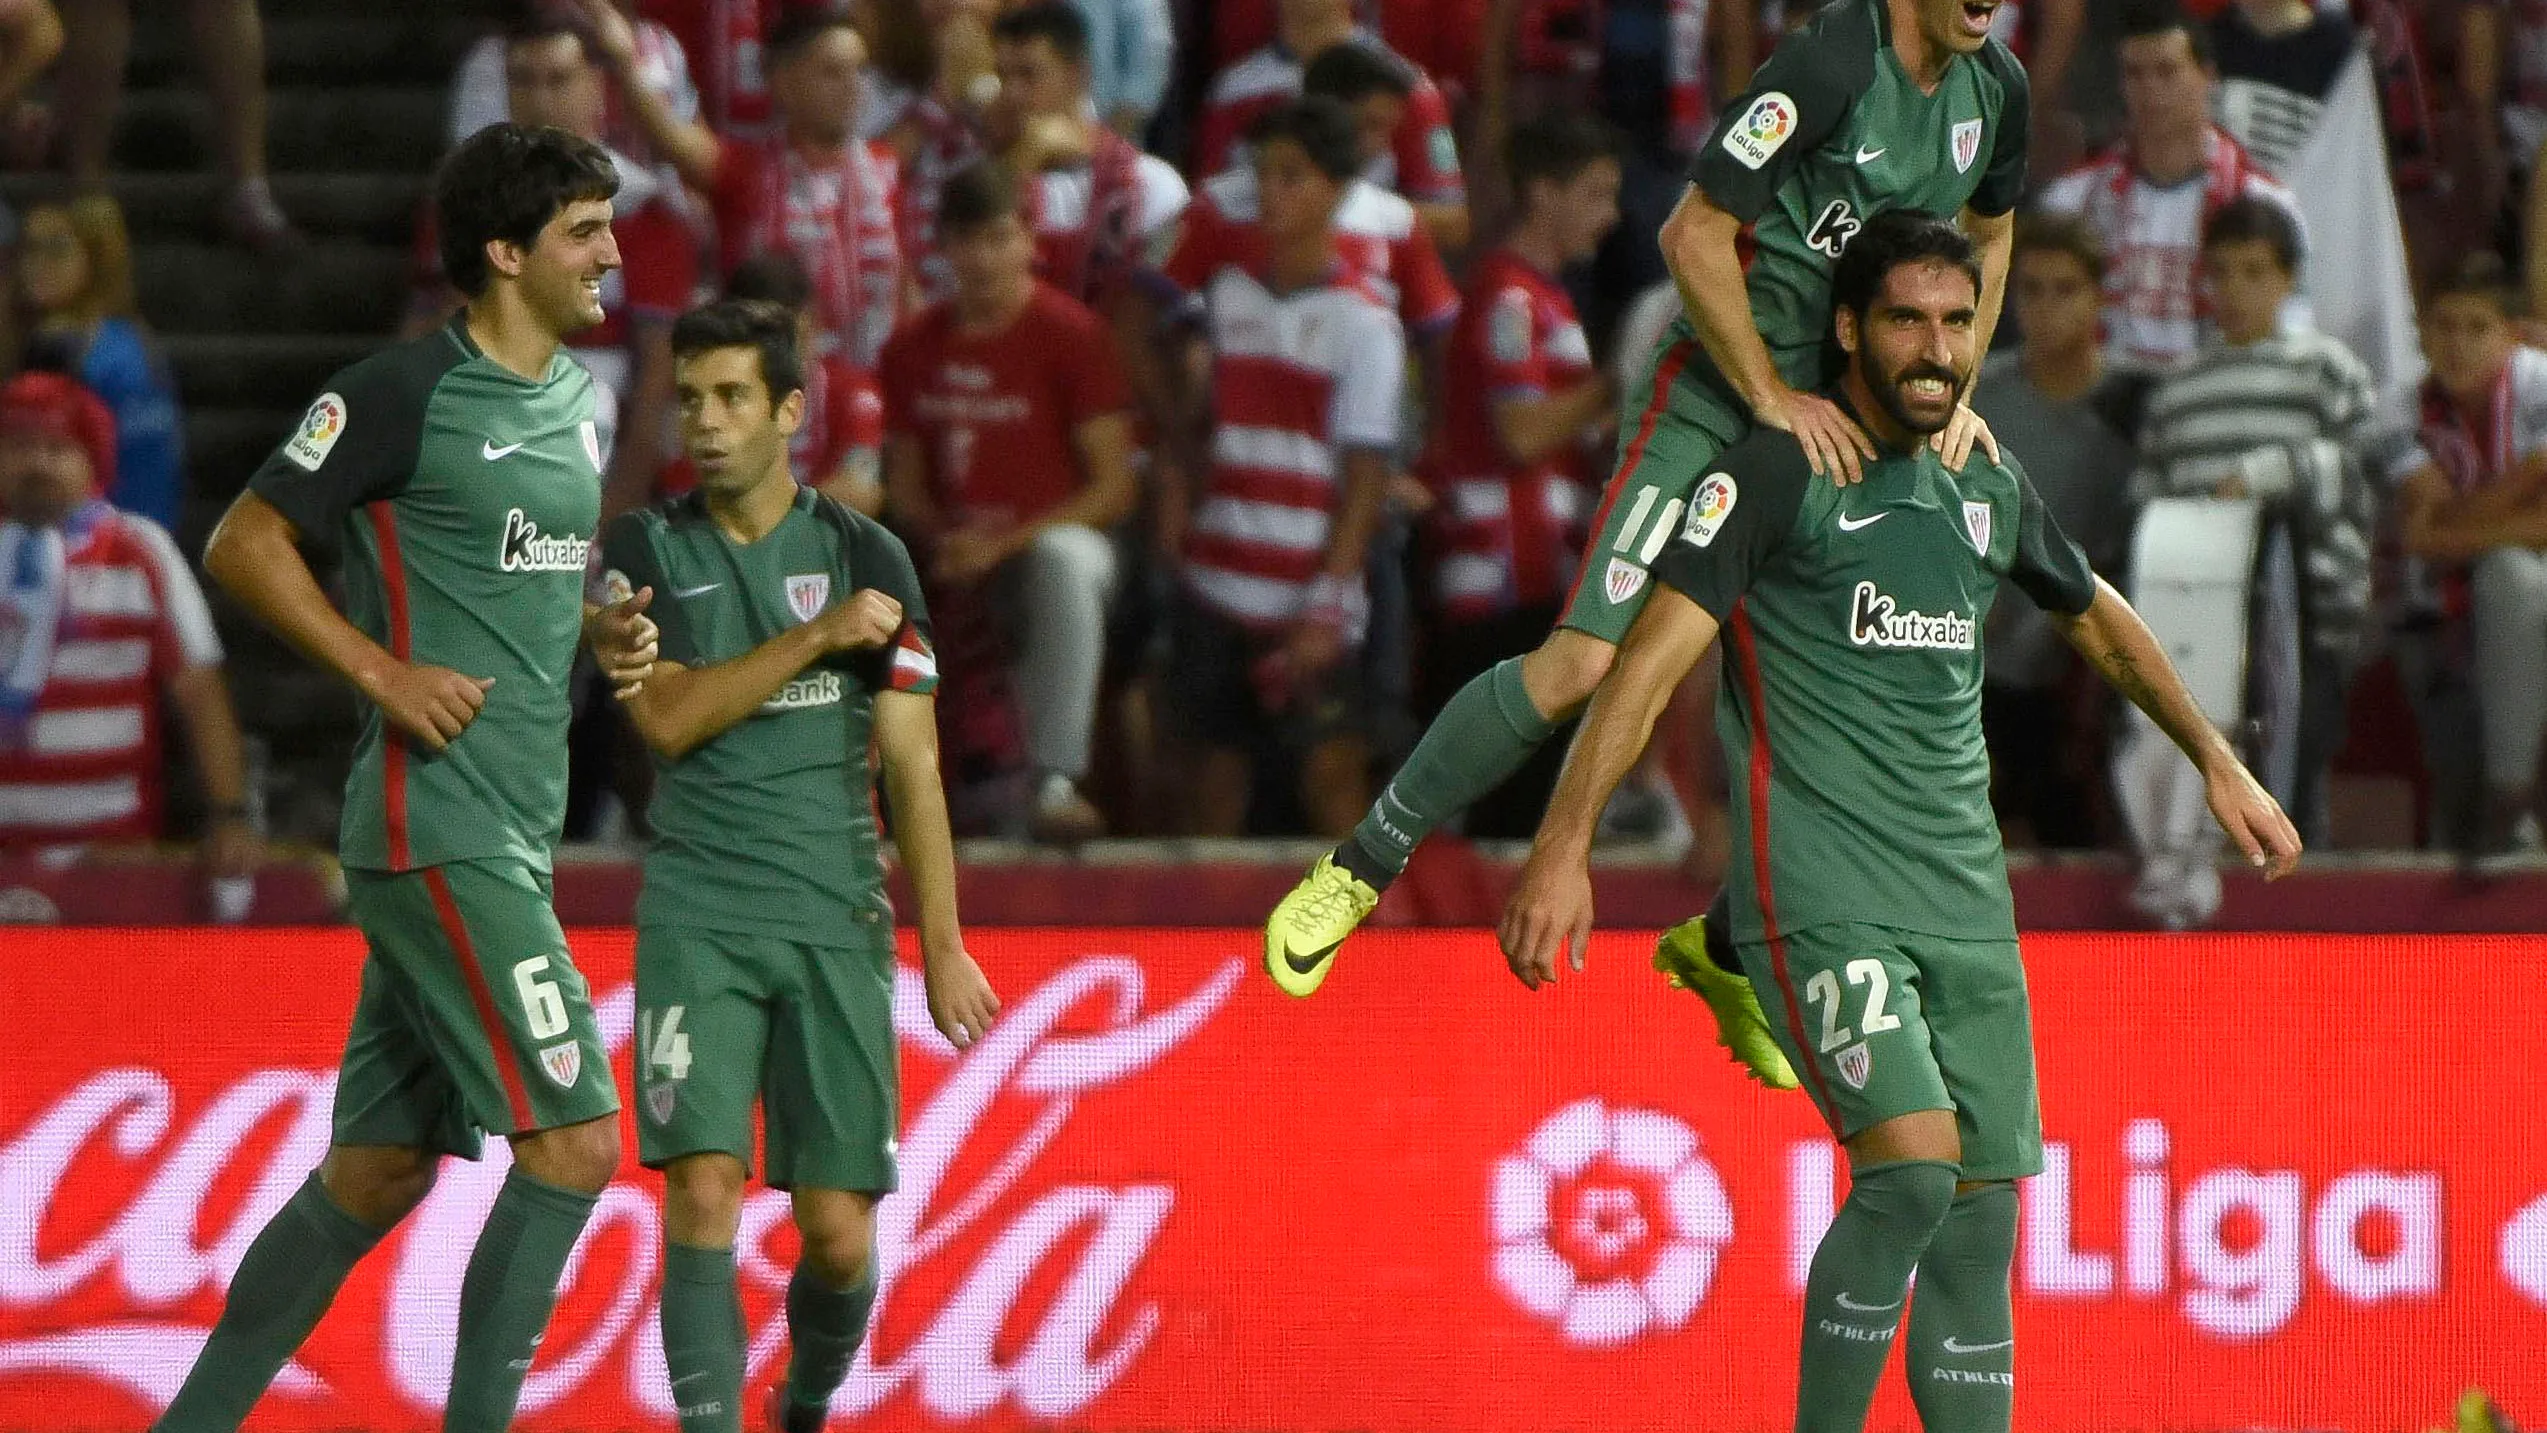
(680, 709)
(1551, 908)
(2111, 636)
(255, 556)
(960, 999)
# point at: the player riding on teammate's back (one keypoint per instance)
(1875, 105)
(1869, 892)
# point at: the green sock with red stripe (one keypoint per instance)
(1483, 735)
(506, 1297)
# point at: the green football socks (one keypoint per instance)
(1860, 1279)
(506, 1296)
(1962, 1354)
(1483, 735)
(703, 1338)
(288, 1277)
(825, 1325)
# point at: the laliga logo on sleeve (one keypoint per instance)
(1608, 1223)
(1762, 130)
(319, 430)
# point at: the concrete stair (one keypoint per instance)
(356, 100)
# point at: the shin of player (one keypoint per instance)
(1854, 667)
(795, 639)
(1874, 105)
(460, 476)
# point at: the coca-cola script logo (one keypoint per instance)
(1608, 1222)
(1079, 1244)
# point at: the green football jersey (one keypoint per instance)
(769, 828)
(463, 498)
(1831, 132)
(1851, 705)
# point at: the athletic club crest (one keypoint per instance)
(1624, 580)
(807, 593)
(1976, 521)
(1855, 1063)
(659, 1100)
(592, 442)
(1967, 144)
(563, 1062)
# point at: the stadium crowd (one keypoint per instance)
(1235, 431)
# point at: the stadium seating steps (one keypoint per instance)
(355, 117)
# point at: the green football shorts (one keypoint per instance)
(472, 1016)
(807, 1029)
(1881, 1022)
(1675, 425)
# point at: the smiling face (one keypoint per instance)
(561, 273)
(1913, 349)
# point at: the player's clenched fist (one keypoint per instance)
(623, 640)
(431, 704)
(960, 998)
(868, 618)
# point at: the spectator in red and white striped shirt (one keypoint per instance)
(99, 616)
(1423, 158)
(1306, 371)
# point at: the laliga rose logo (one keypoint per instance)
(1607, 1222)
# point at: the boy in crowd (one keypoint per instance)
(2278, 418)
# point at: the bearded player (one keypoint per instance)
(1869, 891)
(459, 474)
(794, 641)
(1874, 105)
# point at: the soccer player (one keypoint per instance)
(1873, 105)
(460, 473)
(796, 636)
(1868, 890)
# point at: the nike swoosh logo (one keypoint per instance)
(1853, 1306)
(689, 592)
(1307, 964)
(1867, 156)
(490, 452)
(1848, 524)
(1953, 1345)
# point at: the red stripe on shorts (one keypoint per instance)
(456, 931)
(393, 745)
(1762, 766)
(1666, 372)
